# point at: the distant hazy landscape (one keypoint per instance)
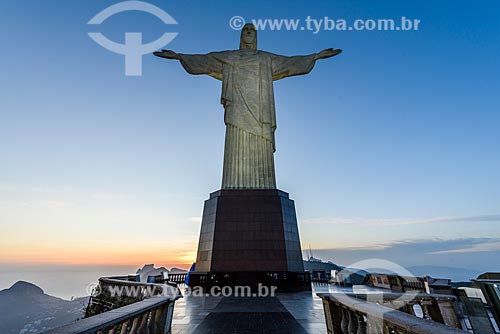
(72, 281)
(62, 281)
(57, 295)
(27, 309)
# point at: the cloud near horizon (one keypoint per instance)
(394, 222)
(473, 254)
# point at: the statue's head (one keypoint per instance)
(248, 38)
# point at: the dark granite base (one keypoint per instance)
(257, 281)
(249, 237)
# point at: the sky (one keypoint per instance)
(390, 149)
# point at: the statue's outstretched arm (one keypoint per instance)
(195, 64)
(327, 53)
(168, 54)
(284, 66)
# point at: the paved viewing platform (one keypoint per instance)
(359, 311)
(291, 313)
(327, 308)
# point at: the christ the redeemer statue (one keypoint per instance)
(247, 78)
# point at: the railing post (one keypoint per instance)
(361, 323)
(344, 325)
(328, 315)
(424, 304)
(143, 327)
(336, 313)
(152, 321)
(374, 325)
(159, 318)
(333, 316)
(169, 317)
(135, 325)
(448, 314)
(337, 317)
(124, 327)
(353, 322)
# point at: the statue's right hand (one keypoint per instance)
(169, 54)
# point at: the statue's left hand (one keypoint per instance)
(327, 53)
(169, 54)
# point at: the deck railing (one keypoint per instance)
(152, 315)
(126, 307)
(353, 314)
(179, 278)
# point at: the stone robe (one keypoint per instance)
(249, 113)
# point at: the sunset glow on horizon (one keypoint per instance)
(391, 150)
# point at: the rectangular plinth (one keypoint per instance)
(249, 230)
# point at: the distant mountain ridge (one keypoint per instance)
(27, 309)
(455, 274)
(23, 288)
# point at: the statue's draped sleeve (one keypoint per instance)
(289, 66)
(209, 64)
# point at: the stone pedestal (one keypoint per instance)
(250, 237)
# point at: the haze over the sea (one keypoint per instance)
(390, 149)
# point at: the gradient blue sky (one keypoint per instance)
(395, 141)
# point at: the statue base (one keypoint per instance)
(250, 237)
(256, 283)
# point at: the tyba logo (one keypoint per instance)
(133, 49)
